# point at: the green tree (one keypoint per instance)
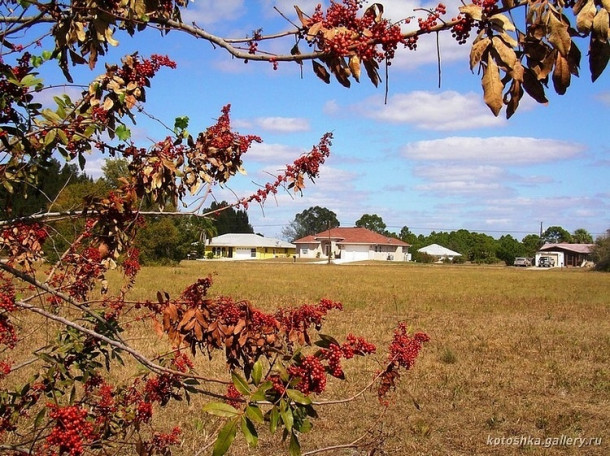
(582, 236)
(601, 252)
(407, 236)
(226, 219)
(115, 170)
(372, 222)
(508, 249)
(531, 244)
(28, 198)
(311, 221)
(555, 235)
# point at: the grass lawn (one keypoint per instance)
(514, 354)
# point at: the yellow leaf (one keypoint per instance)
(108, 104)
(492, 86)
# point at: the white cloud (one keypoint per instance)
(499, 150)
(443, 111)
(604, 97)
(278, 153)
(460, 173)
(206, 12)
(282, 124)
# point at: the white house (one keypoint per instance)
(351, 244)
(439, 252)
(247, 246)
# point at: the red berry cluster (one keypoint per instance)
(160, 388)
(312, 375)
(138, 70)
(131, 263)
(161, 442)
(194, 294)
(403, 351)
(490, 7)
(277, 384)
(71, 431)
(347, 34)
(8, 335)
(431, 20)
(352, 346)
(11, 93)
(461, 30)
(302, 318)
(5, 369)
(233, 397)
(182, 362)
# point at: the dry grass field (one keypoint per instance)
(515, 354)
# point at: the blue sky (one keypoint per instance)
(432, 159)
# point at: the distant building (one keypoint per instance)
(564, 254)
(439, 252)
(351, 244)
(246, 246)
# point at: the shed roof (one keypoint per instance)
(248, 240)
(438, 250)
(351, 236)
(576, 248)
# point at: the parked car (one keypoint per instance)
(546, 262)
(522, 261)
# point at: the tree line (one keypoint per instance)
(163, 240)
(473, 246)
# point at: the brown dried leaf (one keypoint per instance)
(600, 24)
(492, 86)
(502, 22)
(475, 12)
(512, 98)
(354, 66)
(533, 86)
(321, 71)
(559, 36)
(371, 67)
(506, 53)
(302, 17)
(561, 74)
(599, 53)
(313, 31)
(477, 52)
(584, 19)
(574, 59)
(376, 9)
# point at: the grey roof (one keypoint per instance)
(248, 240)
(438, 250)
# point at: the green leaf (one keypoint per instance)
(326, 341)
(287, 418)
(29, 80)
(255, 414)
(40, 417)
(259, 394)
(240, 383)
(122, 132)
(225, 438)
(298, 397)
(294, 449)
(220, 409)
(257, 372)
(249, 431)
(305, 426)
(274, 418)
(181, 123)
(82, 161)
